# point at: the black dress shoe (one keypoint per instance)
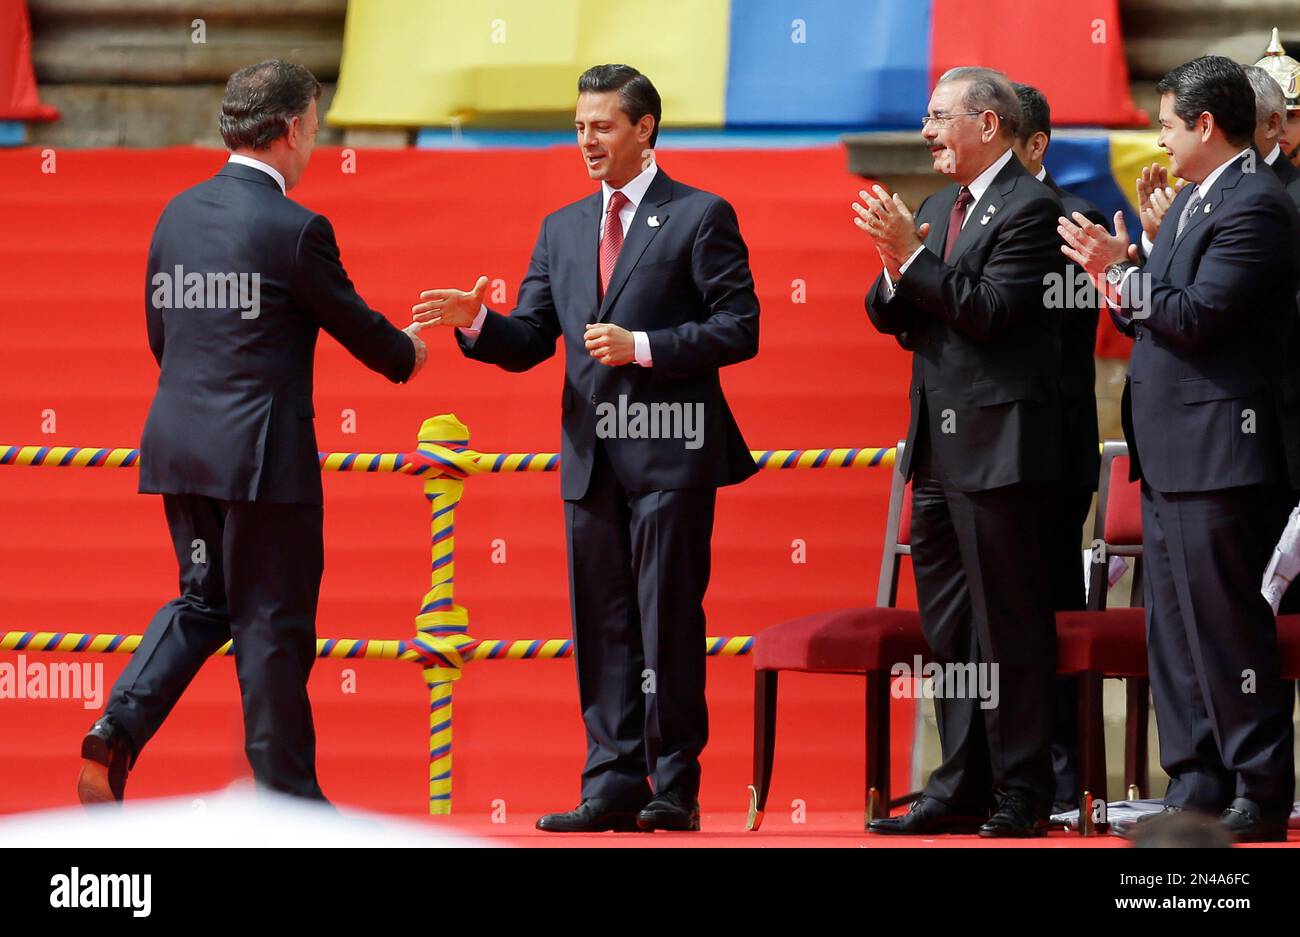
(107, 755)
(670, 811)
(1246, 822)
(1014, 818)
(927, 816)
(592, 816)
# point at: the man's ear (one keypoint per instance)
(293, 131)
(645, 127)
(1040, 145)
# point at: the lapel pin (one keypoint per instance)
(1208, 206)
(988, 213)
(653, 221)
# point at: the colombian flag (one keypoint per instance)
(722, 63)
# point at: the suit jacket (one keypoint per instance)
(1079, 436)
(683, 278)
(1289, 176)
(1199, 404)
(1289, 397)
(985, 350)
(232, 416)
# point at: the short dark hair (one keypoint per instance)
(1218, 85)
(1035, 114)
(261, 99)
(988, 90)
(636, 95)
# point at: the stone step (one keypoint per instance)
(162, 41)
(135, 115)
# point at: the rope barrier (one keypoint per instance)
(423, 462)
(442, 643)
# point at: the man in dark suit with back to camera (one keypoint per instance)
(647, 283)
(240, 282)
(1079, 437)
(1208, 313)
(967, 289)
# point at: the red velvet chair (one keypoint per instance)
(866, 641)
(1092, 645)
(1102, 642)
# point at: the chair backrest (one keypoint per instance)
(898, 526)
(1118, 527)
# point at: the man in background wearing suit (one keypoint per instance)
(983, 452)
(1209, 312)
(1079, 438)
(1270, 120)
(647, 282)
(240, 282)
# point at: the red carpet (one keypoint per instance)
(82, 551)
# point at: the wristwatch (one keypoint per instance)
(1115, 272)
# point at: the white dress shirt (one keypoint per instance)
(1271, 158)
(258, 164)
(634, 191)
(978, 187)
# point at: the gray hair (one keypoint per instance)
(988, 90)
(261, 99)
(1268, 94)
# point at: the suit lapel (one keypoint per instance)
(588, 241)
(938, 235)
(980, 215)
(639, 235)
(1226, 182)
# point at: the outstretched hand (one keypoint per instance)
(450, 307)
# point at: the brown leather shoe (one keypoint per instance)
(107, 756)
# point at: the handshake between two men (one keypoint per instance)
(609, 344)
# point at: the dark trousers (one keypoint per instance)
(638, 571)
(249, 571)
(1222, 709)
(1065, 538)
(983, 584)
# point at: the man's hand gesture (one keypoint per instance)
(450, 307)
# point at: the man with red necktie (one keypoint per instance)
(964, 288)
(647, 282)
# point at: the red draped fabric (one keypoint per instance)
(1072, 52)
(18, 98)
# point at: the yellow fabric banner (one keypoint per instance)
(516, 63)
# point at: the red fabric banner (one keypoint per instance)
(18, 97)
(1072, 52)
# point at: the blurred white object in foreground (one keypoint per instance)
(239, 816)
(1285, 564)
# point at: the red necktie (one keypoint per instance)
(611, 242)
(955, 220)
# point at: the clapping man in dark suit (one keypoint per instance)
(647, 284)
(967, 289)
(1209, 312)
(1079, 437)
(241, 280)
